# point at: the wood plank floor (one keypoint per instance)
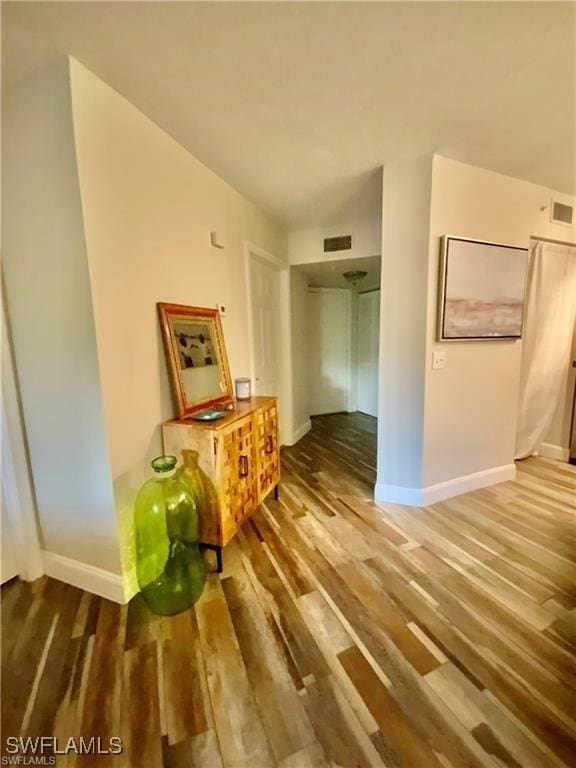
(341, 633)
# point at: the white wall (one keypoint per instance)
(472, 404)
(360, 217)
(354, 345)
(307, 245)
(300, 353)
(20, 526)
(368, 332)
(50, 307)
(329, 345)
(106, 216)
(406, 195)
(437, 428)
(149, 208)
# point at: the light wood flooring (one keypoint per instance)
(341, 633)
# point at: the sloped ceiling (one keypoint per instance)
(297, 104)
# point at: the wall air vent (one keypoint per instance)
(561, 213)
(340, 243)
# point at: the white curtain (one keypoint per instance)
(548, 326)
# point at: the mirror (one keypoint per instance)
(196, 357)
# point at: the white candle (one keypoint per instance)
(242, 387)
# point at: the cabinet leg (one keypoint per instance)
(218, 552)
(276, 491)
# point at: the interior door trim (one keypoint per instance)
(253, 252)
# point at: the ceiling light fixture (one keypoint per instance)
(354, 276)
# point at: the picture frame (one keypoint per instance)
(481, 293)
(196, 357)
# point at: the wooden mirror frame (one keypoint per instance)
(168, 313)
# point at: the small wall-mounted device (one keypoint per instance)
(216, 240)
(221, 309)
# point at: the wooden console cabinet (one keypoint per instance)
(239, 460)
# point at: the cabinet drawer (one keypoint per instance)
(268, 450)
(238, 475)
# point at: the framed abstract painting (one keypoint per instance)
(481, 292)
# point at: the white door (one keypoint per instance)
(265, 299)
(368, 343)
(9, 569)
(329, 350)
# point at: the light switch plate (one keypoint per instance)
(438, 359)
(221, 309)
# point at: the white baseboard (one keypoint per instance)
(466, 483)
(299, 433)
(397, 494)
(84, 576)
(554, 451)
(423, 497)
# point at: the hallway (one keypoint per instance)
(338, 634)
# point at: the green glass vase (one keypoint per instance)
(169, 564)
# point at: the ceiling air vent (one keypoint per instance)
(561, 213)
(340, 243)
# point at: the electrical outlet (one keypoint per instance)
(438, 359)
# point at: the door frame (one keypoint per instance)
(16, 474)
(359, 294)
(253, 253)
(351, 395)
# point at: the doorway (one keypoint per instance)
(269, 334)
(335, 338)
(265, 292)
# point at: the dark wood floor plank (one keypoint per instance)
(140, 729)
(186, 708)
(238, 724)
(19, 675)
(283, 716)
(404, 745)
(60, 659)
(337, 729)
(101, 711)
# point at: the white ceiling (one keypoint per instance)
(328, 274)
(296, 104)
